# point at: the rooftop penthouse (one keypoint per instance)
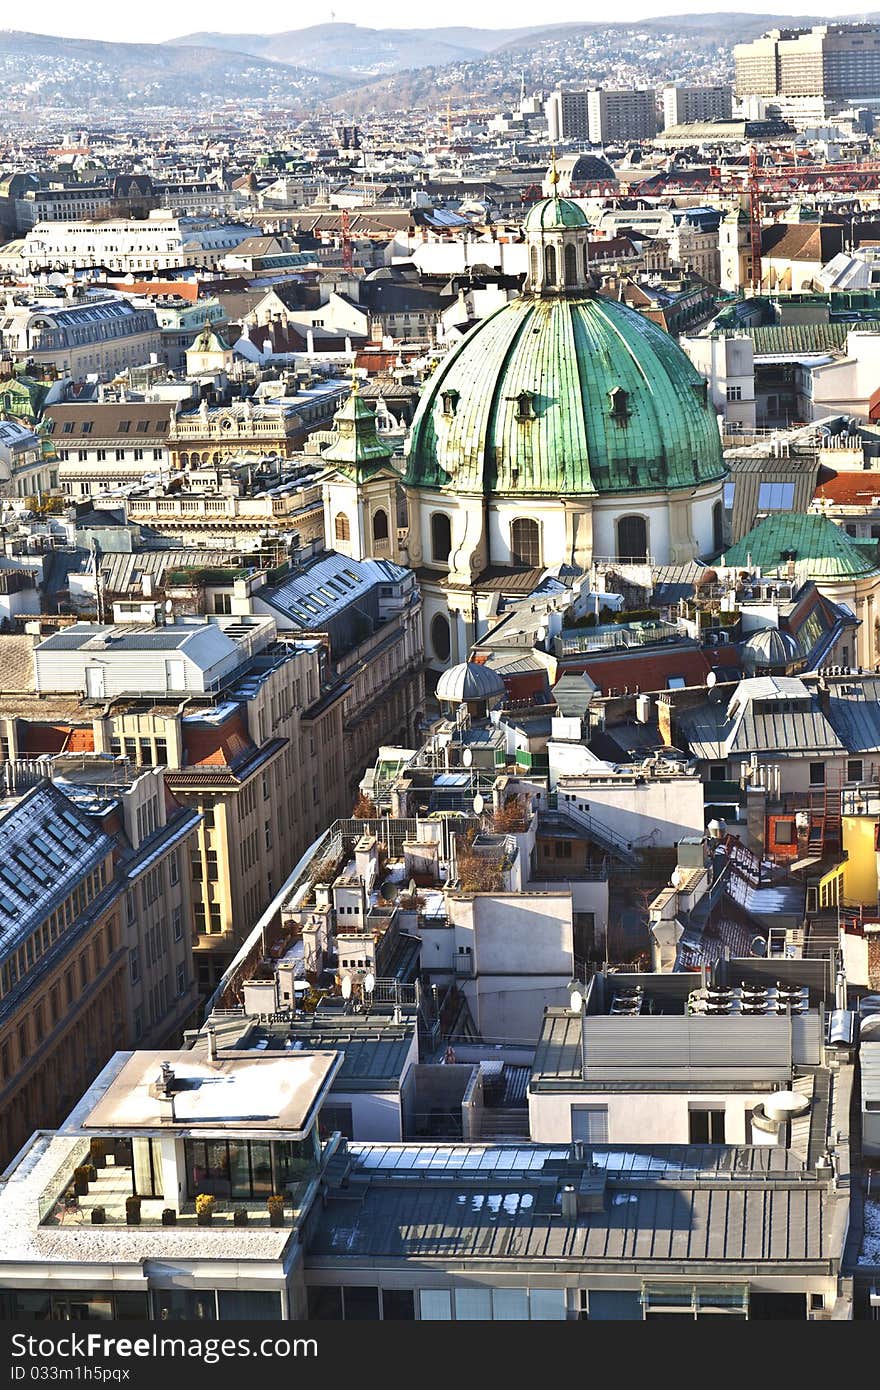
(181, 1140)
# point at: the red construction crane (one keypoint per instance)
(347, 257)
(759, 181)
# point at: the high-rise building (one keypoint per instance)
(567, 114)
(625, 114)
(682, 105)
(599, 115)
(839, 63)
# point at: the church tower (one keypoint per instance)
(360, 495)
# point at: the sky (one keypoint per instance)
(166, 19)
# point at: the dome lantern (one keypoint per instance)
(557, 236)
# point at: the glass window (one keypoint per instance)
(817, 774)
(435, 1305)
(729, 492)
(547, 1305)
(325, 1303)
(182, 1305)
(361, 1304)
(525, 542)
(398, 1305)
(473, 1305)
(632, 538)
(261, 1170)
(249, 1305)
(589, 1123)
(775, 497)
(510, 1305)
(441, 537)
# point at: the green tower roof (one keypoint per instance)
(829, 552)
(564, 396)
(357, 448)
(553, 214)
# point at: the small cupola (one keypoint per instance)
(557, 235)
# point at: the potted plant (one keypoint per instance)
(99, 1216)
(169, 1217)
(81, 1180)
(204, 1208)
(133, 1210)
(240, 1216)
(276, 1210)
(98, 1152)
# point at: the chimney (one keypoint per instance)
(212, 1043)
(569, 1204)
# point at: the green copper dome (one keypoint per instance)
(551, 214)
(564, 395)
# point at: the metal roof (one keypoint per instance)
(532, 411)
(828, 552)
(47, 847)
(319, 592)
(697, 1205)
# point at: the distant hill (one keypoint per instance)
(353, 52)
(87, 75)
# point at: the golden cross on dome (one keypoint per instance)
(553, 176)
(355, 380)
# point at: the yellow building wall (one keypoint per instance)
(860, 868)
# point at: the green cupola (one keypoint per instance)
(357, 451)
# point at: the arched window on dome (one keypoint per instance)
(717, 527)
(441, 538)
(440, 637)
(380, 525)
(525, 542)
(535, 264)
(549, 267)
(342, 527)
(632, 538)
(571, 264)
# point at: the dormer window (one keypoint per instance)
(701, 391)
(449, 401)
(525, 405)
(619, 402)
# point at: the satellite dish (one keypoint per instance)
(479, 805)
(711, 679)
(169, 606)
(467, 757)
(541, 634)
(576, 1001)
(346, 987)
(369, 983)
(675, 877)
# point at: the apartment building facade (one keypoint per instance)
(249, 732)
(97, 334)
(62, 960)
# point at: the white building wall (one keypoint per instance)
(640, 1117)
(656, 811)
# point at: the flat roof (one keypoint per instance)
(656, 1205)
(274, 1094)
